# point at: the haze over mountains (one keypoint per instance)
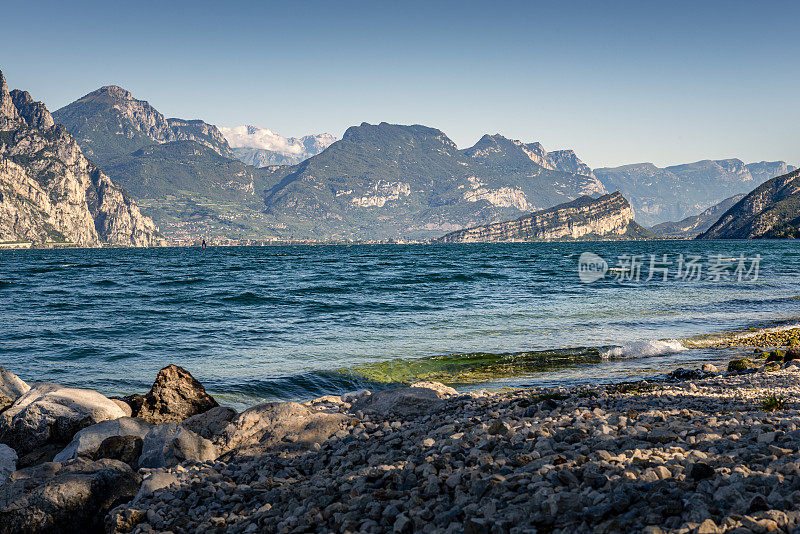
(696, 224)
(378, 182)
(772, 210)
(679, 191)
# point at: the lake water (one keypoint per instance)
(294, 322)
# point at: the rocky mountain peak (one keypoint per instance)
(499, 150)
(134, 123)
(399, 136)
(34, 113)
(8, 111)
(110, 91)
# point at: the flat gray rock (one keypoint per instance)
(404, 401)
(50, 413)
(88, 441)
(279, 424)
(170, 444)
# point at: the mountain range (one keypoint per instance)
(396, 181)
(380, 181)
(679, 191)
(50, 193)
(772, 210)
(261, 147)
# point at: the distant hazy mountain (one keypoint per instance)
(261, 147)
(772, 210)
(696, 224)
(674, 193)
(394, 181)
(609, 216)
(50, 192)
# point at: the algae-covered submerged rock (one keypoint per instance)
(740, 366)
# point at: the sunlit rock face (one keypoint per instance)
(50, 192)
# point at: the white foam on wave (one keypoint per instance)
(645, 349)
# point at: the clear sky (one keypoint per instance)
(619, 82)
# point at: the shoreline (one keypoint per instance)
(686, 456)
(697, 450)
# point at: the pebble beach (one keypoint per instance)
(718, 454)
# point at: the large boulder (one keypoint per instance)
(53, 414)
(8, 462)
(211, 423)
(176, 395)
(169, 444)
(420, 398)
(65, 498)
(87, 442)
(126, 449)
(12, 387)
(284, 424)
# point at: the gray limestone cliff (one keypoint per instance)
(50, 192)
(609, 216)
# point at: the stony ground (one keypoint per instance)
(710, 455)
(773, 339)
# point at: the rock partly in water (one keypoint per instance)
(87, 442)
(211, 423)
(8, 462)
(66, 497)
(176, 395)
(169, 444)
(12, 387)
(49, 413)
(277, 424)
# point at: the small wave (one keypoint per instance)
(645, 349)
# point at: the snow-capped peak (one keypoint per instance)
(248, 136)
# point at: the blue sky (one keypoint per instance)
(619, 82)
